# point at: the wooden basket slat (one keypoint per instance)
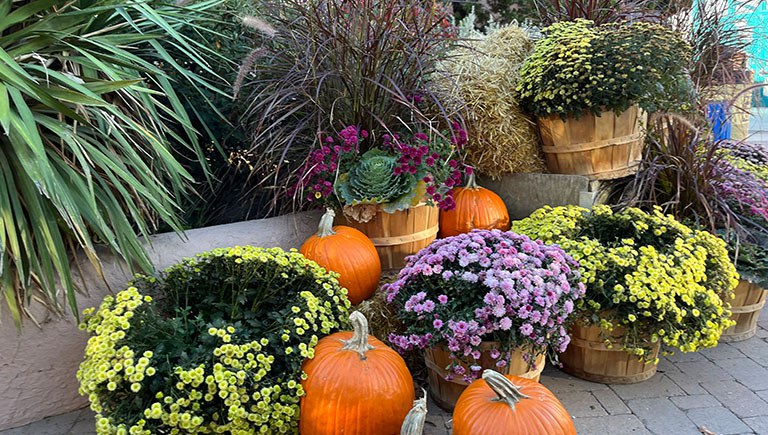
(588, 357)
(749, 300)
(400, 234)
(599, 147)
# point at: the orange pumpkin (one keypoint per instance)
(355, 384)
(476, 208)
(495, 405)
(350, 253)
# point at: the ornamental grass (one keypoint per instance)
(215, 345)
(484, 75)
(645, 272)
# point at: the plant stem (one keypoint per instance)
(504, 388)
(359, 341)
(325, 228)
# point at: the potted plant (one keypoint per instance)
(591, 87)
(215, 344)
(751, 260)
(392, 191)
(650, 280)
(486, 299)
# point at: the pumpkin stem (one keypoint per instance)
(504, 388)
(326, 223)
(359, 341)
(471, 183)
(414, 421)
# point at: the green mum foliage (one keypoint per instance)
(645, 272)
(579, 66)
(373, 180)
(214, 345)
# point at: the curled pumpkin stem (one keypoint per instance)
(359, 341)
(504, 388)
(326, 223)
(414, 420)
(471, 183)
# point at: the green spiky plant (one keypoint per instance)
(87, 119)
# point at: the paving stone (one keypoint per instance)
(667, 366)
(437, 422)
(558, 381)
(761, 333)
(758, 424)
(755, 348)
(738, 398)
(685, 357)
(722, 351)
(696, 401)
(706, 370)
(56, 425)
(718, 420)
(610, 425)
(689, 384)
(661, 416)
(611, 402)
(581, 404)
(746, 371)
(763, 395)
(658, 386)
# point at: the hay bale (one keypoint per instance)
(382, 319)
(484, 75)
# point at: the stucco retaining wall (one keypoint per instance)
(38, 365)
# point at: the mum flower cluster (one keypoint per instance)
(742, 178)
(395, 174)
(645, 272)
(216, 348)
(487, 285)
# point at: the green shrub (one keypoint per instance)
(214, 345)
(86, 130)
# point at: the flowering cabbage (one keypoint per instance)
(374, 180)
(486, 286)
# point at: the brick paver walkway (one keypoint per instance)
(721, 391)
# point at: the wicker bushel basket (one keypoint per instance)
(588, 357)
(746, 307)
(599, 147)
(399, 234)
(446, 392)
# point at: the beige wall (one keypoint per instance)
(37, 367)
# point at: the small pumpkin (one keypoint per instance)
(499, 404)
(476, 208)
(355, 384)
(348, 252)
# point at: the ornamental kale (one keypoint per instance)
(374, 180)
(394, 174)
(486, 286)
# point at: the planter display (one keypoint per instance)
(745, 307)
(446, 392)
(399, 234)
(588, 357)
(599, 147)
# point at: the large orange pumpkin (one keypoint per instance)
(350, 253)
(476, 208)
(355, 385)
(502, 405)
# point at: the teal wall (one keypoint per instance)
(754, 13)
